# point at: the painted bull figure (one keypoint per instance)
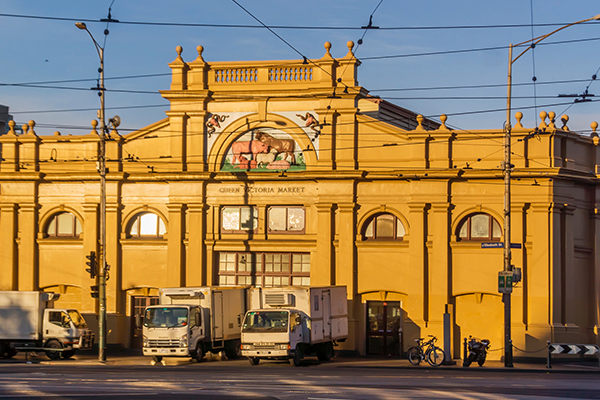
(285, 146)
(253, 147)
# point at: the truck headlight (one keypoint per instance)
(144, 341)
(247, 347)
(183, 341)
(284, 346)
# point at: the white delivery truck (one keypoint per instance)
(189, 322)
(28, 322)
(292, 322)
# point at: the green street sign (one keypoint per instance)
(505, 280)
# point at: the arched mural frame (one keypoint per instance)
(246, 123)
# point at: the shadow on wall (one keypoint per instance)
(410, 332)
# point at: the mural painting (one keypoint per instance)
(261, 151)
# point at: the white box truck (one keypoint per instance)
(28, 322)
(189, 322)
(292, 322)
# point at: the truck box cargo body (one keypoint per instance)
(189, 322)
(27, 320)
(291, 322)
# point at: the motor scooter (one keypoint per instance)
(477, 351)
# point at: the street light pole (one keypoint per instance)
(102, 169)
(507, 167)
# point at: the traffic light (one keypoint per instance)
(94, 291)
(91, 263)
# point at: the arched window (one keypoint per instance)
(147, 225)
(384, 226)
(64, 225)
(479, 226)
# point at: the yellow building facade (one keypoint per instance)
(277, 173)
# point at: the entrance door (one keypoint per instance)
(138, 305)
(384, 328)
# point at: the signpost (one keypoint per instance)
(505, 281)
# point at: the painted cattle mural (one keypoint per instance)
(259, 150)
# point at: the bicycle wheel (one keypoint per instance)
(414, 355)
(436, 357)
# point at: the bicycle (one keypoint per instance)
(426, 350)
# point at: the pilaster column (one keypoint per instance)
(417, 302)
(322, 268)
(196, 260)
(196, 142)
(28, 277)
(175, 259)
(177, 142)
(90, 243)
(114, 301)
(345, 139)
(8, 248)
(439, 276)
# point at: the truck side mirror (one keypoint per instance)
(138, 321)
(198, 319)
(239, 319)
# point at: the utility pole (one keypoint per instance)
(102, 169)
(507, 275)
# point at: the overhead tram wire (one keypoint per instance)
(211, 25)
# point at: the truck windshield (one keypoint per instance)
(77, 319)
(266, 321)
(166, 317)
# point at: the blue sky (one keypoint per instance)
(393, 60)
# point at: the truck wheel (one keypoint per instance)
(233, 349)
(10, 353)
(326, 352)
(157, 358)
(53, 344)
(298, 356)
(68, 354)
(254, 360)
(198, 353)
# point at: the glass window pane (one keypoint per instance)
(277, 219)
(480, 226)
(244, 262)
(276, 281)
(78, 228)
(496, 229)
(52, 227)
(306, 281)
(222, 280)
(285, 281)
(296, 280)
(463, 230)
(295, 219)
(65, 224)
(259, 281)
(369, 230)
(385, 227)
(231, 219)
(148, 224)
(161, 227)
(399, 229)
(306, 259)
(268, 281)
(259, 262)
(248, 218)
(230, 280)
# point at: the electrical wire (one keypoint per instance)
(212, 25)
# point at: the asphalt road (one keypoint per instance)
(237, 379)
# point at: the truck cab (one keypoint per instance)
(173, 330)
(189, 322)
(274, 333)
(66, 329)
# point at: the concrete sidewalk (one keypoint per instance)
(121, 357)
